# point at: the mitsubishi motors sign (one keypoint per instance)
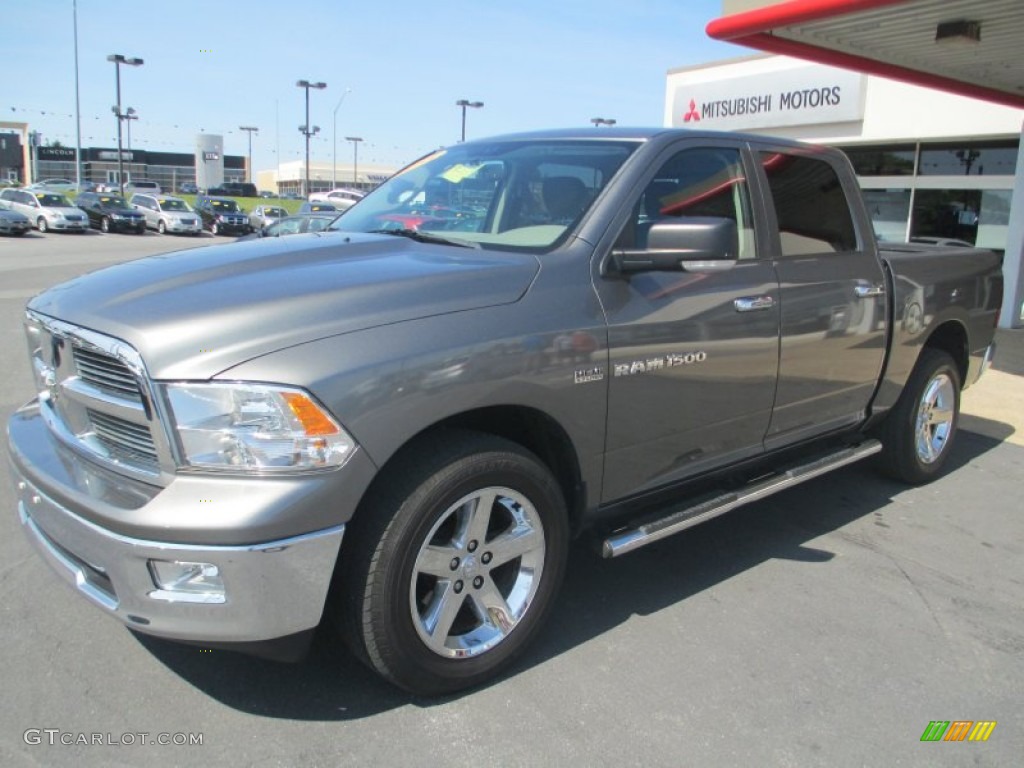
(804, 95)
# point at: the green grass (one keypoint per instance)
(247, 204)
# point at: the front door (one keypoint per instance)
(693, 354)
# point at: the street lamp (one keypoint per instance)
(118, 60)
(250, 129)
(599, 121)
(334, 139)
(128, 116)
(466, 103)
(355, 159)
(305, 128)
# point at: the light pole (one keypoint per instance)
(355, 159)
(306, 128)
(128, 116)
(599, 121)
(118, 60)
(250, 129)
(334, 139)
(466, 103)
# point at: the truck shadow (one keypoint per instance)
(598, 595)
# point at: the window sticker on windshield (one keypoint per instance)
(459, 172)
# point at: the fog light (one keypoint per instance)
(177, 581)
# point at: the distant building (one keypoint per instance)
(323, 176)
(99, 165)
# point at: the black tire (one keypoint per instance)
(419, 521)
(214, 229)
(917, 435)
(41, 224)
(105, 225)
(161, 227)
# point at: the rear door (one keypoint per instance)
(832, 291)
(694, 353)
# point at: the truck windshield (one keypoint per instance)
(513, 194)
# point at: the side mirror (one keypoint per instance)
(695, 243)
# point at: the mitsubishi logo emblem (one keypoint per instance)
(693, 114)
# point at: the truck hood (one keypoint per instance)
(192, 314)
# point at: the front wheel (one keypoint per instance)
(214, 230)
(918, 433)
(161, 227)
(41, 224)
(449, 569)
(105, 225)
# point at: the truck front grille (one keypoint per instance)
(129, 442)
(106, 372)
(95, 396)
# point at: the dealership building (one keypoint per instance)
(926, 97)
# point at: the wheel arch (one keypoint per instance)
(527, 427)
(951, 338)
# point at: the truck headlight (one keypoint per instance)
(255, 428)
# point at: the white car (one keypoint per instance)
(60, 186)
(46, 210)
(167, 214)
(142, 186)
(341, 199)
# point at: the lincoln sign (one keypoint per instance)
(798, 96)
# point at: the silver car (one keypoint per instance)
(264, 215)
(167, 214)
(12, 222)
(47, 210)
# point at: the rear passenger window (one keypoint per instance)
(812, 209)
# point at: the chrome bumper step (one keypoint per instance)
(678, 520)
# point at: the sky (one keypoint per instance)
(395, 68)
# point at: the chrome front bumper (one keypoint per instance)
(270, 589)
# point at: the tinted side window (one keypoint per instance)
(697, 182)
(813, 212)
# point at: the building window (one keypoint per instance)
(882, 161)
(889, 210)
(969, 158)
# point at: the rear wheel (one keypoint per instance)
(918, 433)
(450, 568)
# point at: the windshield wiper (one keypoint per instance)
(423, 237)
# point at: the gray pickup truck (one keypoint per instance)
(395, 428)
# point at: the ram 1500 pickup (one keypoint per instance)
(396, 427)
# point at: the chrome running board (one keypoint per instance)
(626, 541)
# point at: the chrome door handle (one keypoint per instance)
(753, 303)
(867, 291)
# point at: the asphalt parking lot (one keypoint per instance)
(825, 626)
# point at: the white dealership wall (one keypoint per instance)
(791, 98)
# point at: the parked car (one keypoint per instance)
(268, 195)
(222, 216)
(12, 222)
(265, 215)
(60, 186)
(46, 210)
(341, 198)
(926, 240)
(188, 188)
(318, 208)
(142, 185)
(234, 189)
(167, 214)
(295, 225)
(111, 213)
(403, 430)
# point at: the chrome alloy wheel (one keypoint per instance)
(477, 572)
(935, 414)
